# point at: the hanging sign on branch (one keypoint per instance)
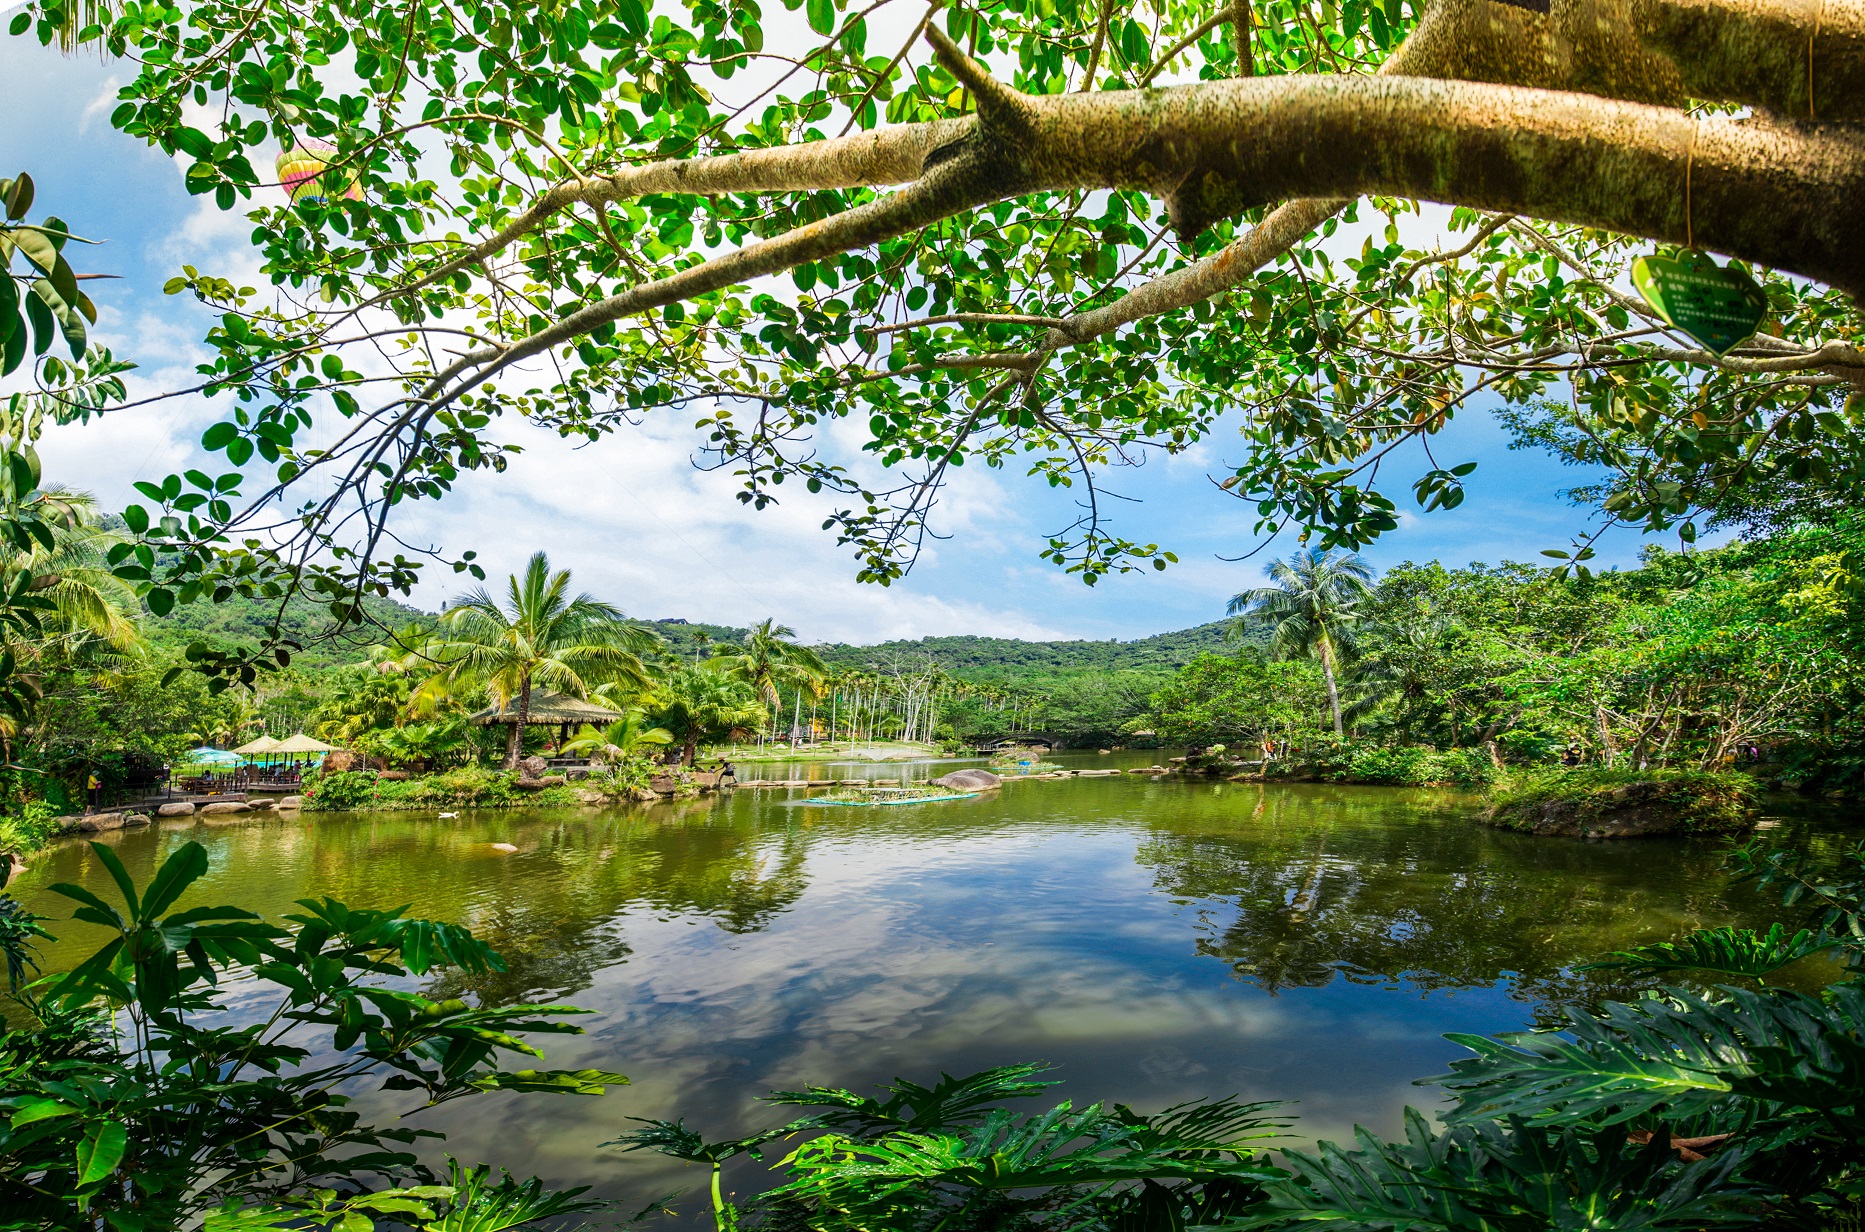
(1719, 307)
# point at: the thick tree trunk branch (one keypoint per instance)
(1804, 58)
(965, 175)
(1779, 194)
(895, 154)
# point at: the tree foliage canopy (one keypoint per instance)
(587, 212)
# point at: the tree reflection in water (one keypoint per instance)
(1296, 887)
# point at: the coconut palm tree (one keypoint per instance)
(64, 605)
(1404, 667)
(539, 636)
(86, 603)
(1312, 602)
(770, 658)
(695, 703)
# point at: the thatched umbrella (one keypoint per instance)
(262, 746)
(301, 744)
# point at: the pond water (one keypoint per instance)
(1154, 940)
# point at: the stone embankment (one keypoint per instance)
(123, 819)
(817, 784)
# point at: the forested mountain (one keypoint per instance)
(686, 637)
(983, 659)
(243, 621)
(1012, 660)
(1006, 660)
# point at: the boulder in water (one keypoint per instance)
(968, 780)
(179, 808)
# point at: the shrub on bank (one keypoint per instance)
(1418, 766)
(1597, 799)
(1348, 761)
(29, 827)
(467, 787)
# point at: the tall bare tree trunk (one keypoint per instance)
(514, 742)
(1327, 670)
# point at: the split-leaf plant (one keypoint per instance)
(148, 1095)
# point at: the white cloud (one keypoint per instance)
(101, 105)
(643, 527)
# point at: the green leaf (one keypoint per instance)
(821, 15)
(40, 1110)
(121, 876)
(36, 248)
(558, 1081)
(161, 602)
(219, 436)
(82, 895)
(101, 1150)
(13, 350)
(1721, 951)
(633, 15)
(9, 306)
(136, 518)
(194, 142)
(44, 326)
(182, 869)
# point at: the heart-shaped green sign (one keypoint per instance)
(1719, 307)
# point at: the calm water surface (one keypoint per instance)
(1155, 940)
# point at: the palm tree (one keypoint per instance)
(624, 738)
(771, 658)
(1312, 602)
(694, 703)
(1404, 667)
(87, 604)
(66, 605)
(539, 636)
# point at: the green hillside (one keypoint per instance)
(1010, 660)
(242, 621)
(994, 659)
(984, 659)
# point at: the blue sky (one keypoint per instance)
(637, 523)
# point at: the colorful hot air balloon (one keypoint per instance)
(304, 172)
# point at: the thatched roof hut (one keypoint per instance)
(252, 748)
(550, 709)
